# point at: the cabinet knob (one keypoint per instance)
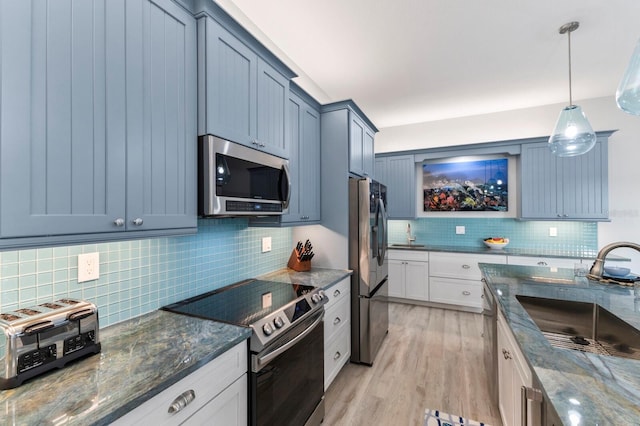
(119, 222)
(506, 354)
(336, 293)
(542, 263)
(138, 221)
(337, 355)
(336, 321)
(466, 267)
(466, 293)
(182, 401)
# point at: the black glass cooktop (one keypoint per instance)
(240, 303)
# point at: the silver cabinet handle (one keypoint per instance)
(336, 293)
(506, 354)
(542, 263)
(466, 293)
(138, 221)
(119, 222)
(336, 321)
(337, 355)
(466, 267)
(182, 401)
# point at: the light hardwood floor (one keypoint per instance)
(431, 358)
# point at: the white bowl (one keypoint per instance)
(496, 245)
(616, 271)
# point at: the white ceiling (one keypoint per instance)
(410, 61)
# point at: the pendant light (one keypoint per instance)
(628, 93)
(573, 134)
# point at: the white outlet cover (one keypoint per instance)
(553, 231)
(88, 267)
(266, 244)
(460, 230)
(267, 300)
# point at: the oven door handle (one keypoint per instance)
(266, 358)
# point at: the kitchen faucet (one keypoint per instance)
(410, 238)
(596, 269)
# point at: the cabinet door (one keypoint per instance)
(380, 171)
(506, 398)
(272, 96)
(228, 79)
(310, 164)
(356, 145)
(583, 180)
(539, 197)
(161, 112)
(401, 187)
(396, 278)
(229, 408)
(293, 134)
(368, 152)
(63, 117)
(417, 280)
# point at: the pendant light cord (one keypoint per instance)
(570, 94)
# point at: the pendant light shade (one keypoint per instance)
(628, 93)
(573, 135)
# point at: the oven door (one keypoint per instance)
(287, 378)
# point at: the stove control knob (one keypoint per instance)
(267, 329)
(321, 293)
(278, 322)
(316, 298)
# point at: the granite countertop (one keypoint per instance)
(316, 277)
(585, 389)
(140, 358)
(510, 251)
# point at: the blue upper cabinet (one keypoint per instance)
(361, 147)
(398, 173)
(96, 124)
(571, 188)
(245, 96)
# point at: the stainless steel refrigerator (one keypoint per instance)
(367, 259)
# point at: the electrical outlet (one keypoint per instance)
(266, 300)
(460, 230)
(553, 231)
(266, 244)
(88, 267)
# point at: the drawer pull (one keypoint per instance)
(466, 267)
(506, 354)
(542, 263)
(336, 321)
(336, 293)
(466, 293)
(337, 356)
(184, 399)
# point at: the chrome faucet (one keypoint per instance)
(598, 265)
(410, 238)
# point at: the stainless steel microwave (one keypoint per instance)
(234, 180)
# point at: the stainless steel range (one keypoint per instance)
(287, 363)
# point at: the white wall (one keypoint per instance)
(624, 152)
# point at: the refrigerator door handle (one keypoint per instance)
(381, 231)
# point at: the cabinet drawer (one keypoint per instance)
(464, 266)
(225, 369)
(552, 262)
(417, 255)
(336, 354)
(456, 292)
(337, 292)
(336, 317)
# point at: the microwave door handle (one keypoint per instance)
(285, 203)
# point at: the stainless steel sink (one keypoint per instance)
(407, 245)
(581, 326)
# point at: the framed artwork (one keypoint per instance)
(479, 185)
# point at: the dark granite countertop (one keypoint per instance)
(316, 277)
(140, 358)
(585, 389)
(510, 251)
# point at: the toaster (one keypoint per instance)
(40, 338)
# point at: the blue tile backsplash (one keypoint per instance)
(140, 276)
(572, 236)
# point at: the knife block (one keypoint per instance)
(297, 264)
